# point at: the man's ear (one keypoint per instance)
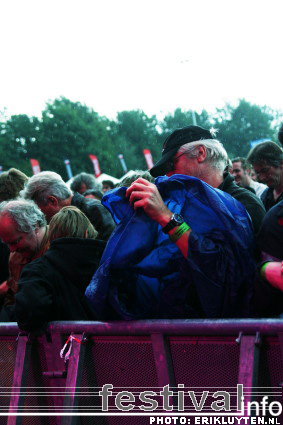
(53, 201)
(201, 156)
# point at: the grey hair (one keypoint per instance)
(45, 184)
(25, 213)
(127, 181)
(88, 179)
(216, 154)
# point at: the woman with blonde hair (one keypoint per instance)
(52, 287)
(71, 222)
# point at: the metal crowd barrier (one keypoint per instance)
(38, 387)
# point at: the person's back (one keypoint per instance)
(96, 213)
(52, 287)
(252, 203)
(269, 291)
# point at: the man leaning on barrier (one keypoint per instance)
(181, 247)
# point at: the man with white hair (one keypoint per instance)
(48, 190)
(23, 229)
(193, 152)
(194, 245)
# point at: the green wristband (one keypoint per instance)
(263, 269)
(179, 232)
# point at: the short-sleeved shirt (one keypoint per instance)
(270, 237)
(268, 198)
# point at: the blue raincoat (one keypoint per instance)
(144, 275)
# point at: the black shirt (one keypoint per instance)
(270, 237)
(52, 287)
(268, 198)
(97, 214)
(252, 203)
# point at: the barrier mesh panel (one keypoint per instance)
(8, 351)
(125, 362)
(270, 376)
(205, 364)
(37, 397)
(270, 364)
(199, 363)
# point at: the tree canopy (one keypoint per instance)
(242, 124)
(70, 130)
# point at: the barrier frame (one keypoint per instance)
(247, 332)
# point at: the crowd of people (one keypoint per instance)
(197, 236)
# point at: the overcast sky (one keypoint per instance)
(152, 55)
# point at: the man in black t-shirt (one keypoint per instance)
(267, 161)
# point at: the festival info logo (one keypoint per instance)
(165, 405)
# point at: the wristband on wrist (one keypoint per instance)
(179, 232)
(263, 269)
(175, 221)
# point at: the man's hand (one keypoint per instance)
(3, 288)
(272, 272)
(143, 194)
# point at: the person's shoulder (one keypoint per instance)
(259, 188)
(276, 211)
(77, 199)
(271, 231)
(61, 243)
(267, 193)
(38, 267)
(81, 202)
(241, 193)
(258, 184)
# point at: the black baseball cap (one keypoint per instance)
(178, 138)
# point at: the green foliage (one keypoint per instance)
(134, 131)
(181, 119)
(20, 141)
(70, 130)
(240, 125)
